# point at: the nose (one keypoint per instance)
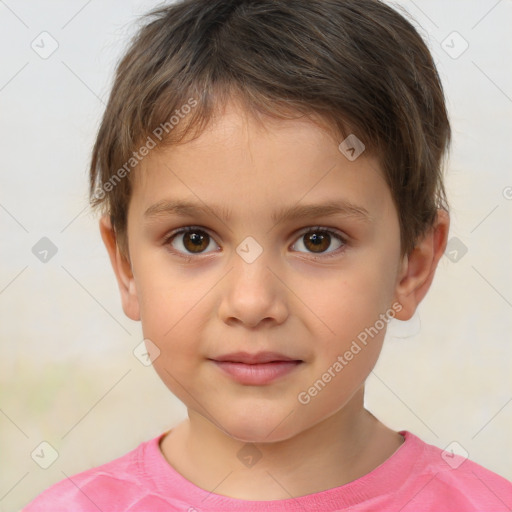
(253, 293)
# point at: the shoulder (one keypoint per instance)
(115, 485)
(442, 477)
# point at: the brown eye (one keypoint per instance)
(318, 241)
(195, 241)
(190, 241)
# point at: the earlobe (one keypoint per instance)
(419, 266)
(122, 270)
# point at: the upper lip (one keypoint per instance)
(260, 357)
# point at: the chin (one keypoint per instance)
(260, 428)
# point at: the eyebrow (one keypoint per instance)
(182, 208)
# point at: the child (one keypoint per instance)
(270, 176)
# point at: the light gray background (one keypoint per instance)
(67, 372)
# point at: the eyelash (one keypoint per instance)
(188, 257)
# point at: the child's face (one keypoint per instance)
(304, 297)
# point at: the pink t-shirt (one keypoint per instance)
(415, 478)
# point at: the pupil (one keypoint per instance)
(196, 239)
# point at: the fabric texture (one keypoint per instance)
(418, 477)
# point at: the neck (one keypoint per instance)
(341, 448)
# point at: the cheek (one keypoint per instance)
(171, 311)
(346, 302)
(348, 336)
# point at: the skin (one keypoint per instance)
(291, 300)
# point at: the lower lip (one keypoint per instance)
(257, 374)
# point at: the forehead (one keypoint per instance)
(240, 161)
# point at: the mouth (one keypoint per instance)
(257, 358)
(256, 369)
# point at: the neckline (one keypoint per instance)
(166, 480)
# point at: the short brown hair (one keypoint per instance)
(357, 64)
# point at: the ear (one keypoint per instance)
(122, 269)
(419, 266)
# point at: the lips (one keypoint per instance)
(258, 358)
(256, 369)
